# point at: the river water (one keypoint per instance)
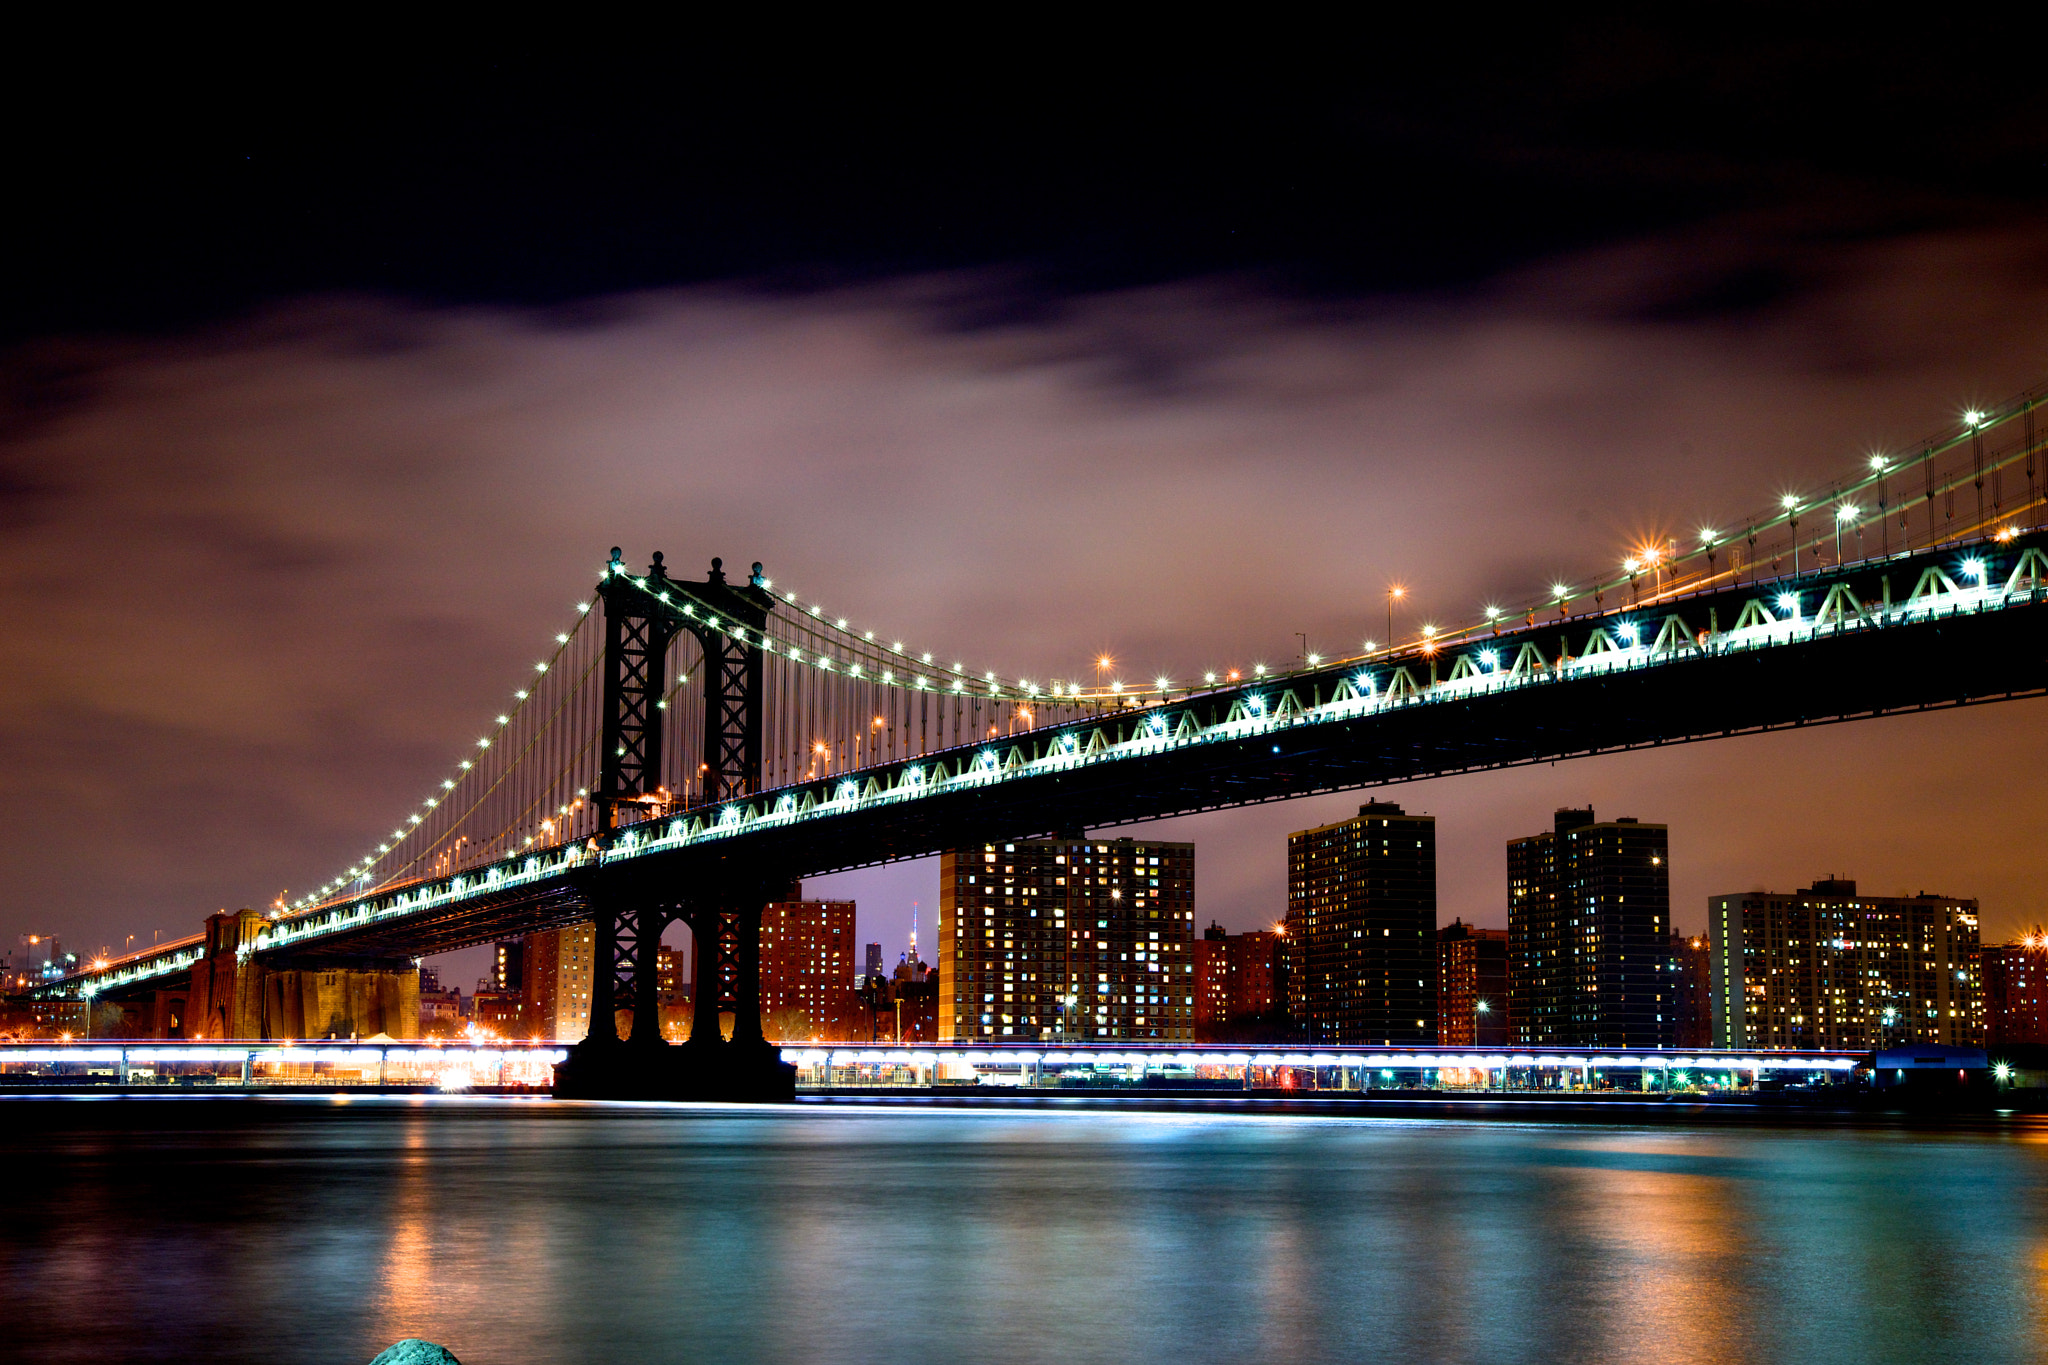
(300, 1229)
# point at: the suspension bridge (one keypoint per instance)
(687, 748)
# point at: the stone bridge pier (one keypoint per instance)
(238, 996)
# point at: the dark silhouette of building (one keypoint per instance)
(1361, 925)
(1589, 925)
(1824, 967)
(1067, 938)
(1472, 986)
(508, 967)
(2016, 991)
(1692, 992)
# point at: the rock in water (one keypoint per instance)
(413, 1351)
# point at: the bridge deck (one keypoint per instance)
(1910, 632)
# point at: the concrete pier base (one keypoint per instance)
(725, 1072)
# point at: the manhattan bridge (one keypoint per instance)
(687, 748)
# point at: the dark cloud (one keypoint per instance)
(298, 557)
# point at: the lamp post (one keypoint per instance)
(1394, 591)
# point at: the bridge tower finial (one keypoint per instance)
(717, 570)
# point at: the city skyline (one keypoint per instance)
(973, 658)
(1274, 430)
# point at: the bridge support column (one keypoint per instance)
(726, 924)
(604, 953)
(647, 978)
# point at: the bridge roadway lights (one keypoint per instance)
(729, 1072)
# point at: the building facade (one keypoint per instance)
(1472, 986)
(1824, 967)
(1361, 928)
(556, 973)
(1067, 938)
(2016, 991)
(1237, 977)
(1589, 925)
(1692, 992)
(807, 970)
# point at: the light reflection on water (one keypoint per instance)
(523, 1231)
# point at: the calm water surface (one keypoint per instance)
(526, 1231)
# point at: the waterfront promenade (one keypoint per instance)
(941, 1071)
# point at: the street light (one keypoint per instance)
(1393, 591)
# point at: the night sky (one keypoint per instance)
(328, 386)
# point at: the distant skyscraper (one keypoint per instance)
(1077, 938)
(1361, 921)
(1826, 968)
(1472, 986)
(2016, 991)
(874, 963)
(1589, 925)
(807, 969)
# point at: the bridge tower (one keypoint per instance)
(643, 617)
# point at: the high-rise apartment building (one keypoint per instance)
(1361, 926)
(2016, 991)
(1472, 986)
(1589, 925)
(807, 970)
(1824, 967)
(1067, 938)
(1237, 976)
(556, 975)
